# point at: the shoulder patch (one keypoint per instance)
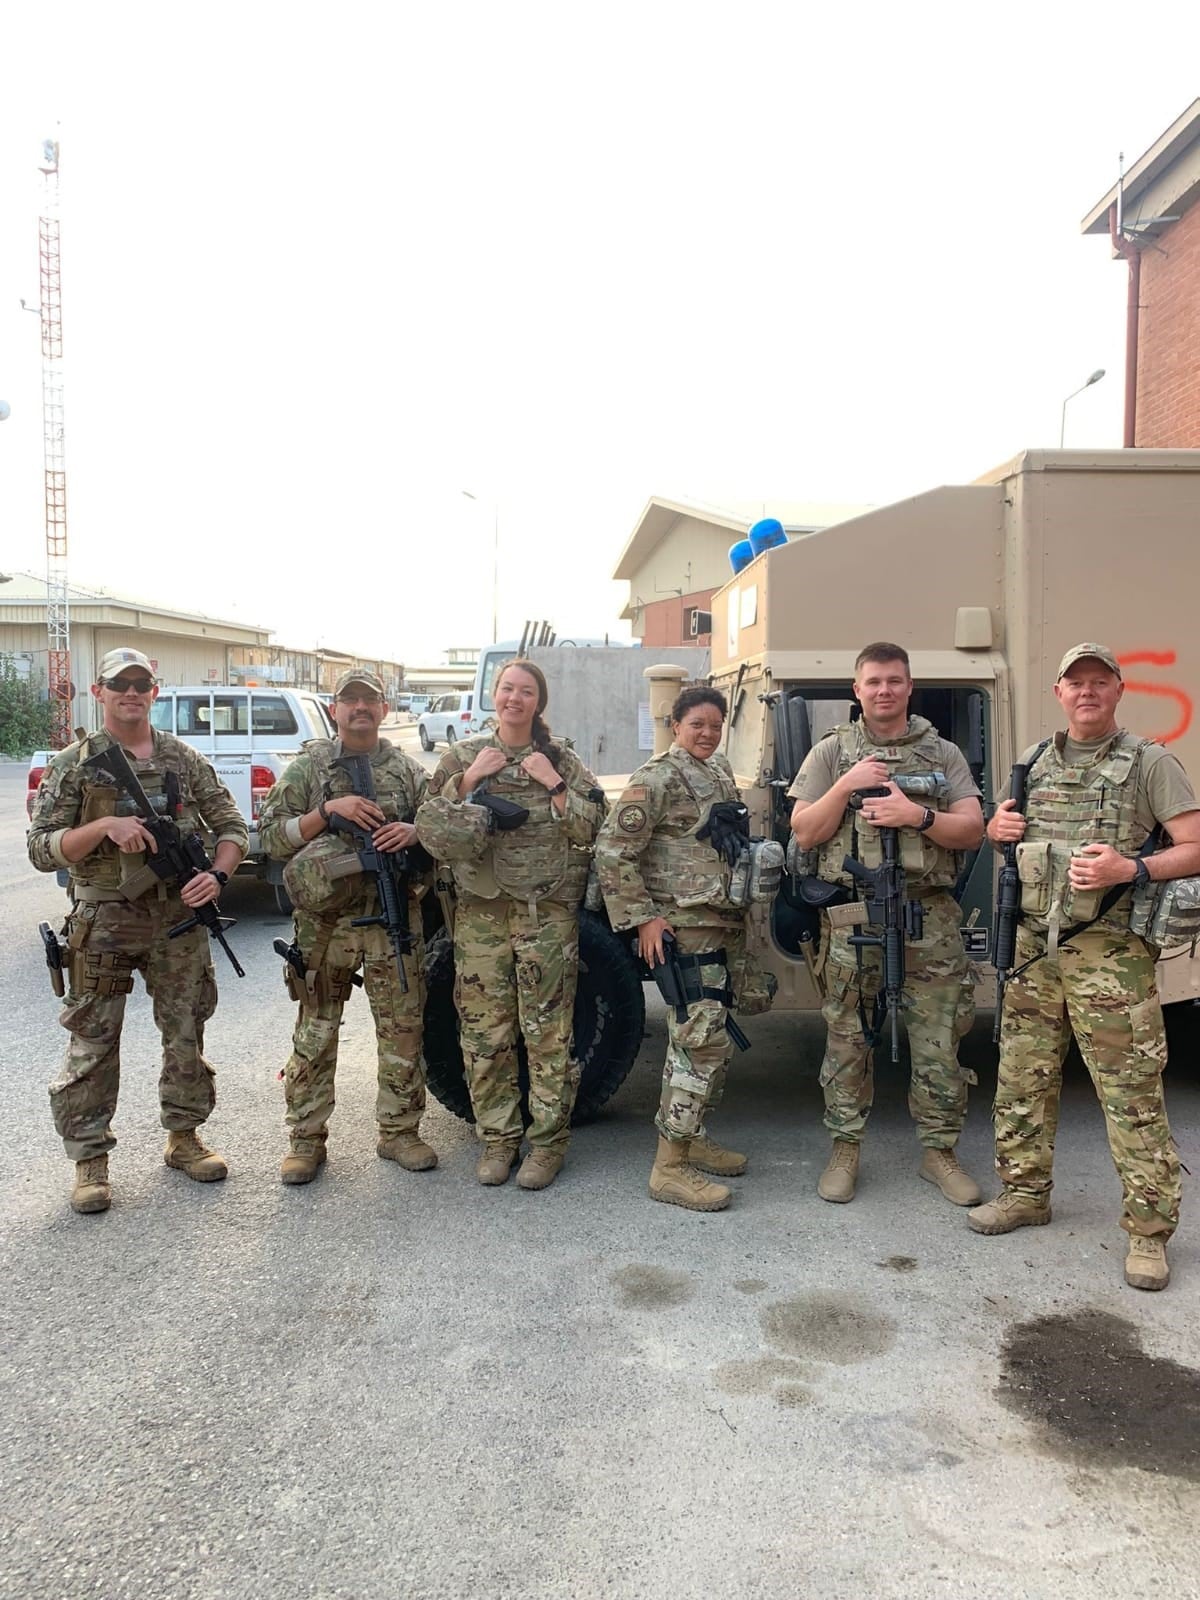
(631, 818)
(635, 791)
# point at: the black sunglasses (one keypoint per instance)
(123, 686)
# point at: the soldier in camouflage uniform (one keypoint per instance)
(1095, 795)
(516, 919)
(118, 924)
(329, 891)
(658, 877)
(934, 833)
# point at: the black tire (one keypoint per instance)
(283, 901)
(426, 741)
(450, 736)
(610, 1020)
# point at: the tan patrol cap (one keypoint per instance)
(1099, 652)
(116, 661)
(369, 680)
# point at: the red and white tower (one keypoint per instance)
(58, 619)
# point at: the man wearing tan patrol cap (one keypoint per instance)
(304, 822)
(1095, 796)
(121, 914)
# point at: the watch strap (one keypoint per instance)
(926, 821)
(559, 788)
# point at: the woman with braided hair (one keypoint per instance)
(514, 815)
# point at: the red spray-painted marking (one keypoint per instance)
(1159, 658)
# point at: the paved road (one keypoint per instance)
(404, 1385)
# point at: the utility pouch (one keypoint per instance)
(1036, 872)
(918, 853)
(1167, 913)
(757, 874)
(1079, 905)
(593, 899)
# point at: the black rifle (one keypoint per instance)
(391, 869)
(889, 909)
(678, 992)
(1008, 904)
(177, 857)
(54, 957)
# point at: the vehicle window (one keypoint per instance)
(451, 703)
(466, 702)
(162, 714)
(491, 667)
(271, 714)
(319, 725)
(192, 714)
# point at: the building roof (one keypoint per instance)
(661, 514)
(1166, 179)
(23, 599)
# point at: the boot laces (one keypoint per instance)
(946, 1160)
(1152, 1249)
(844, 1154)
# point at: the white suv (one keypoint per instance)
(448, 719)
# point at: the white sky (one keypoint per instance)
(326, 267)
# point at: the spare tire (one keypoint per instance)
(610, 1020)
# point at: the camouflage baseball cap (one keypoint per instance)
(369, 680)
(1099, 652)
(115, 662)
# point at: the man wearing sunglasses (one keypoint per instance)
(119, 921)
(302, 822)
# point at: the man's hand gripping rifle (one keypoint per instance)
(177, 857)
(887, 908)
(391, 869)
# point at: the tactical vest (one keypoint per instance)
(686, 871)
(536, 861)
(1067, 807)
(320, 887)
(106, 867)
(926, 865)
(393, 789)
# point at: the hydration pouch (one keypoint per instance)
(1167, 913)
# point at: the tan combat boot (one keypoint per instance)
(941, 1167)
(840, 1178)
(302, 1162)
(707, 1156)
(186, 1153)
(90, 1191)
(1146, 1264)
(495, 1164)
(1007, 1211)
(407, 1150)
(540, 1168)
(676, 1183)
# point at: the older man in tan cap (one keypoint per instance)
(303, 822)
(1096, 797)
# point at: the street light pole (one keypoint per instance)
(495, 561)
(1095, 378)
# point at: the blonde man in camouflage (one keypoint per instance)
(1095, 795)
(118, 925)
(935, 832)
(514, 815)
(329, 892)
(660, 878)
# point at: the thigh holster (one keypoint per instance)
(689, 971)
(101, 972)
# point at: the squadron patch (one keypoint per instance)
(631, 819)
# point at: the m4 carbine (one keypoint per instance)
(889, 909)
(177, 857)
(1008, 904)
(391, 869)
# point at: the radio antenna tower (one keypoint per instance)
(58, 617)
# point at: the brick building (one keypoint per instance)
(1153, 221)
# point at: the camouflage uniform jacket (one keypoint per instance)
(649, 860)
(71, 795)
(546, 858)
(311, 777)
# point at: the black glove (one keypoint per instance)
(727, 830)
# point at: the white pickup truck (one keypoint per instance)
(249, 735)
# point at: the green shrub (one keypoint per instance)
(24, 716)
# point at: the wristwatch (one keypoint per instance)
(1141, 873)
(559, 788)
(927, 820)
(221, 877)
(323, 814)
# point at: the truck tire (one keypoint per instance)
(283, 901)
(426, 741)
(610, 1020)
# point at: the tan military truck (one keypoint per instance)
(985, 585)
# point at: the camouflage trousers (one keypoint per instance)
(308, 1078)
(110, 942)
(516, 972)
(699, 1048)
(1102, 985)
(939, 1010)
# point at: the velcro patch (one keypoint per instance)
(631, 819)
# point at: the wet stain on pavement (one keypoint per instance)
(651, 1288)
(1096, 1396)
(899, 1263)
(750, 1285)
(758, 1376)
(829, 1326)
(792, 1395)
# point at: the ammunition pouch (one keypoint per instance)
(1167, 913)
(101, 973)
